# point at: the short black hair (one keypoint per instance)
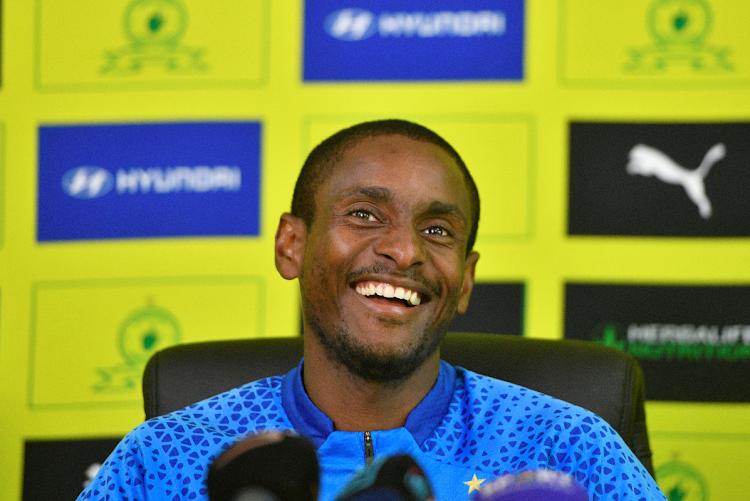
(324, 157)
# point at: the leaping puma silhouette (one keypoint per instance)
(648, 161)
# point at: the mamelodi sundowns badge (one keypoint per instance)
(647, 42)
(91, 339)
(85, 44)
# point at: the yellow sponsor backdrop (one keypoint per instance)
(89, 44)
(72, 320)
(2, 182)
(62, 305)
(701, 465)
(648, 42)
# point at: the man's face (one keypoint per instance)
(391, 222)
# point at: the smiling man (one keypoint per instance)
(383, 258)
(381, 233)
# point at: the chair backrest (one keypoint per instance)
(604, 380)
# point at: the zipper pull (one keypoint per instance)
(369, 451)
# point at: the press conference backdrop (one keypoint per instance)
(148, 147)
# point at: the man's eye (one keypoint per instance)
(437, 231)
(363, 215)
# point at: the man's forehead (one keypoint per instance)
(393, 151)
(428, 180)
(386, 143)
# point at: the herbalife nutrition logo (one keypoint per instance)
(154, 29)
(143, 333)
(679, 341)
(679, 29)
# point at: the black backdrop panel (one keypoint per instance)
(693, 342)
(59, 469)
(607, 200)
(495, 308)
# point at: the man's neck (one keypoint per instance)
(354, 404)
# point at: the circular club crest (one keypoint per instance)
(682, 482)
(155, 22)
(679, 21)
(147, 331)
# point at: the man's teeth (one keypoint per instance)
(389, 291)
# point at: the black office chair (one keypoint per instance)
(601, 379)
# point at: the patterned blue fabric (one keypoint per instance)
(469, 428)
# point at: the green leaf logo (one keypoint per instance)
(680, 21)
(149, 340)
(676, 493)
(155, 23)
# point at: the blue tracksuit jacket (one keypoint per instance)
(468, 429)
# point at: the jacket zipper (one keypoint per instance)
(369, 451)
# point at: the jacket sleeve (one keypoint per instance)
(599, 460)
(121, 477)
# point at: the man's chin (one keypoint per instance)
(375, 362)
(378, 368)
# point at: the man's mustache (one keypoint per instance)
(411, 274)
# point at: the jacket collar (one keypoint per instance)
(312, 423)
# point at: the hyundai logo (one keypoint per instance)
(87, 182)
(350, 24)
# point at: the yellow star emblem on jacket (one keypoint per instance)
(474, 483)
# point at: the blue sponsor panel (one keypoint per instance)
(148, 180)
(413, 40)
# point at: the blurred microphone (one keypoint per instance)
(395, 478)
(533, 485)
(272, 466)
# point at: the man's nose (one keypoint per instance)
(403, 245)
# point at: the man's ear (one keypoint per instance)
(468, 284)
(290, 245)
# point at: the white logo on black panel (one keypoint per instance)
(87, 182)
(648, 161)
(350, 24)
(91, 472)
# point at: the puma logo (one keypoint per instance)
(648, 161)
